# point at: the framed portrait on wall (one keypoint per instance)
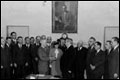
(64, 16)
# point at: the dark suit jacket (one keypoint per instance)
(113, 62)
(13, 45)
(89, 58)
(28, 56)
(98, 61)
(19, 55)
(80, 58)
(34, 52)
(68, 58)
(106, 65)
(9, 53)
(5, 58)
(63, 48)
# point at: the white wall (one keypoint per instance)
(93, 16)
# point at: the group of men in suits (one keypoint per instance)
(96, 63)
(18, 60)
(103, 64)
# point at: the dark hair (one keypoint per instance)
(93, 38)
(62, 38)
(26, 38)
(109, 41)
(12, 33)
(116, 39)
(19, 37)
(69, 39)
(31, 37)
(58, 40)
(54, 43)
(8, 38)
(99, 43)
(37, 37)
(64, 34)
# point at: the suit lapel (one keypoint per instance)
(114, 50)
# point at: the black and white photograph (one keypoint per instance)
(59, 40)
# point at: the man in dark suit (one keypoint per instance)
(13, 43)
(108, 47)
(38, 39)
(114, 59)
(34, 51)
(19, 57)
(9, 50)
(32, 40)
(27, 46)
(97, 65)
(5, 58)
(14, 37)
(62, 46)
(90, 54)
(80, 60)
(69, 57)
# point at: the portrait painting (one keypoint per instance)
(64, 16)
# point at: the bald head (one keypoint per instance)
(43, 42)
(49, 39)
(80, 43)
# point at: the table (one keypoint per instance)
(41, 76)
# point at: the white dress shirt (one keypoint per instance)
(116, 47)
(2, 46)
(98, 51)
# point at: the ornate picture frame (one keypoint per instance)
(64, 16)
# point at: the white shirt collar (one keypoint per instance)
(20, 45)
(80, 48)
(28, 45)
(14, 40)
(109, 51)
(116, 47)
(37, 44)
(7, 44)
(48, 44)
(92, 47)
(98, 50)
(68, 46)
(2, 46)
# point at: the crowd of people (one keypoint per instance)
(59, 58)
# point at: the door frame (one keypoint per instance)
(105, 33)
(7, 32)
